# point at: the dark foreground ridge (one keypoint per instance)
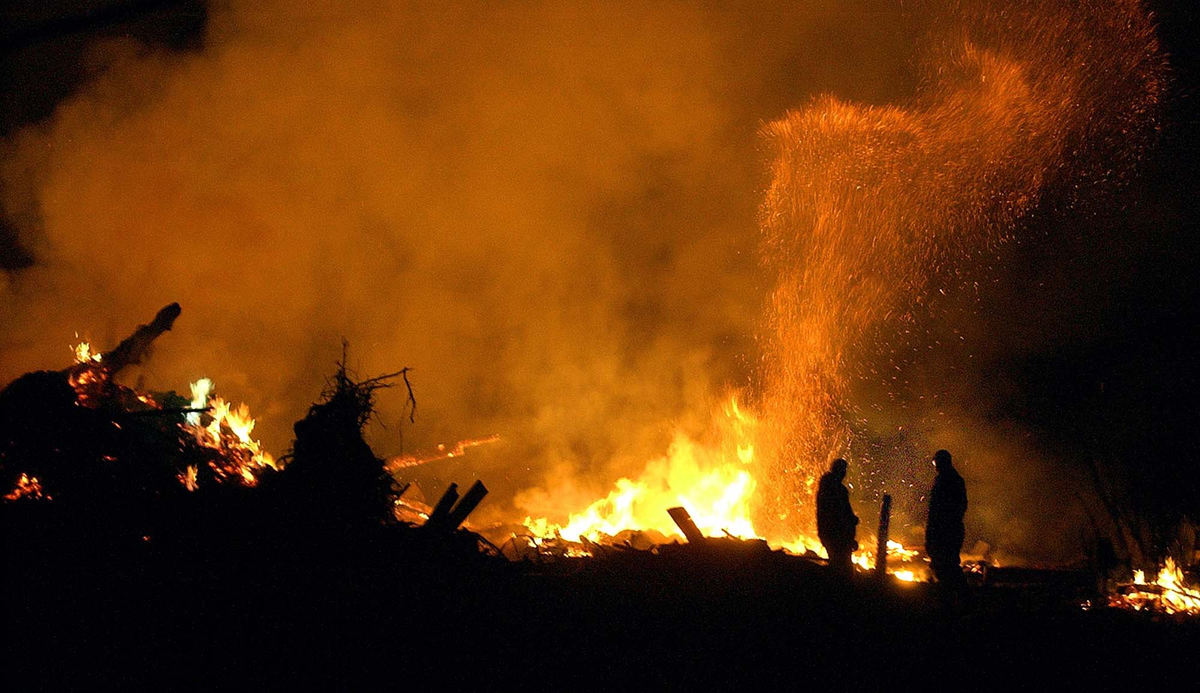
(221, 604)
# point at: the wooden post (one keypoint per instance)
(885, 518)
(441, 511)
(464, 507)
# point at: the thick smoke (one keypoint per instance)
(546, 210)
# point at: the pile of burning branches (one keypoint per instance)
(1165, 594)
(78, 432)
(82, 452)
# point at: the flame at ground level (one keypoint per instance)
(1167, 593)
(714, 482)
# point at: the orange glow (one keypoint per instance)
(188, 478)
(27, 487)
(715, 482)
(84, 354)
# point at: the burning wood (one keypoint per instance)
(1166, 594)
(60, 428)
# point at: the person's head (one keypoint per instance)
(941, 460)
(838, 468)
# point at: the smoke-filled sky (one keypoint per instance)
(551, 213)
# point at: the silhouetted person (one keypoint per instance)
(836, 521)
(944, 529)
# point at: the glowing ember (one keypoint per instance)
(84, 354)
(27, 487)
(88, 377)
(188, 478)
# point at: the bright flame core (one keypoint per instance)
(1167, 593)
(714, 483)
(228, 431)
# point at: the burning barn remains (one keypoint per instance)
(658, 269)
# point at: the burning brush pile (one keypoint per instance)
(1167, 593)
(82, 453)
(78, 432)
(79, 439)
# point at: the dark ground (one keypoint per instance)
(215, 604)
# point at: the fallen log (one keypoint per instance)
(133, 348)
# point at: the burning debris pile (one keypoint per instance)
(175, 515)
(1166, 594)
(78, 433)
(79, 441)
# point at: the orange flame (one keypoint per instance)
(27, 487)
(1167, 593)
(714, 482)
(228, 431)
(394, 464)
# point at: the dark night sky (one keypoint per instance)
(1118, 381)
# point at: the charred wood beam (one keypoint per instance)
(133, 348)
(441, 512)
(466, 505)
(451, 511)
(683, 520)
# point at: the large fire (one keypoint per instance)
(714, 482)
(868, 209)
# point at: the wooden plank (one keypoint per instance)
(440, 514)
(683, 520)
(469, 501)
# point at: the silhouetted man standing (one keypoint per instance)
(944, 530)
(836, 521)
